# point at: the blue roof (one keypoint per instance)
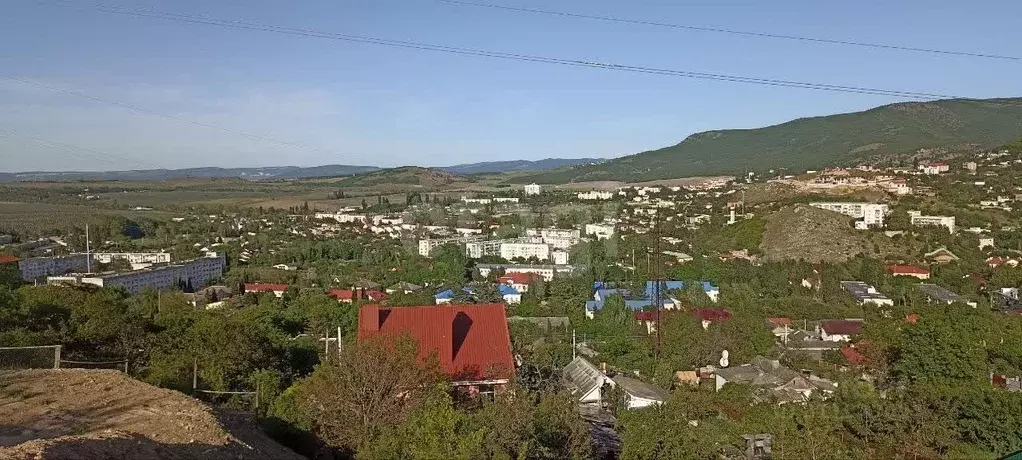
(446, 294)
(664, 286)
(709, 287)
(507, 290)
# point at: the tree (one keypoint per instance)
(378, 383)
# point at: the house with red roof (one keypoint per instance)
(5, 259)
(472, 342)
(852, 355)
(277, 289)
(994, 262)
(519, 281)
(709, 316)
(909, 270)
(840, 330)
(357, 294)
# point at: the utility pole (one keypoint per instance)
(573, 345)
(658, 281)
(88, 251)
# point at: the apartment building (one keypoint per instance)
(136, 259)
(477, 249)
(600, 231)
(553, 233)
(36, 268)
(524, 250)
(595, 195)
(546, 271)
(533, 189)
(427, 245)
(870, 214)
(917, 218)
(194, 273)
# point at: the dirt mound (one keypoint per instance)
(806, 233)
(87, 414)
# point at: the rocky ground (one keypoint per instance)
(802, 232)
(87, 414)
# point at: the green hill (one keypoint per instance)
(405, 175)
(810, 143)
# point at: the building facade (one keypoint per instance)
(595, 195)
(511, 251)
(194, 273)
(871, 214)
(533, 189)
(917, 218)
(600, 231)
(37, 268)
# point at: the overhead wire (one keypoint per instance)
(248, 25)
(730, 31)
(15, 135)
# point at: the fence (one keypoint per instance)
(232, 399)
(38, 357)
(120, 364)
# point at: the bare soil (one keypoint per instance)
(90, 414)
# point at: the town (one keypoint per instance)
(789, 289)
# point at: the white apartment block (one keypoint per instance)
(533, 189)
(505, 199)
(600, 231)
(41, 267)
(477, 249)
(559, 257)
(545, 271)
(595, 195)
(136, 259)
(553, 233)
(427, 245)
(511, 251)
(917, 218)
(871, 214)
(193, 273)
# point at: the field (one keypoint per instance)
(40, 218)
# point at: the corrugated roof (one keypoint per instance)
(582, 377)
(841, 327)
(471, 341)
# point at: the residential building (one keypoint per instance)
(600, 231)
(639, 300)
(511, 251)
(471, 342)
(427, 245)
(870, 214)
(839, 330)
(865, 293)
(587, 384)
(286, 267)
(136, 259)
(899, 187)
(708, 316)
(519, 281)
(559, 257)
(775, 380)
(986, 243)
(533, 189)
(557, 238)
(932, 169)
(941, 256)
(937, 294)
(917, 218)
(404, 288)
(908, 270)
(478, 249)
(36, 268)
(277, 289)
(6, 259)
(546, 271)
(192, 274)
(595, 195)
(510, 295)
(356, 294)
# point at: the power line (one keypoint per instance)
(731, 31)
(246, 25)
(163, 115)
(14, 135)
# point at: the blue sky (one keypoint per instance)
(368, 104)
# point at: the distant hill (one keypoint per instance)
(811, 143)
(405, 175)
(263, 173)
(518, 165)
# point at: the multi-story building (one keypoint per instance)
(932, 169)
(525, 250)
(40, 267)
(427, 245)
(477, 249)
(871, 214)
(194, 274)
(600, 231)
(546, 271)
(559, 257)
(864, 293)
(595, 195)
(136, 259)
(917, 218)
(553, 233)
(533, 189)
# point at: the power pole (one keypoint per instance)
(88, 251)
(658, 280)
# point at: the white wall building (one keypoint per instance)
(559, 257)
(39, 267)
(553, 232)
(917, 218)
(194, 273)
(533, 189)
(871, 214)
(136, 259)
(427, 245)
(545, 271)
(511, 251)
(595, 195)
(600, 231)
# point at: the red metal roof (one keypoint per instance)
(841, 327)
(646, 315)
(265, 287)
(518, 278)
(852, 355)
(712, 314)
(778, 322)
(341, 294)
(349, 295)
(472, 342)
(912, 318)
(4, 259)
(907, 270)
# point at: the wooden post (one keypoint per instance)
(56, 357)
(125, 367)
(195, 374)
